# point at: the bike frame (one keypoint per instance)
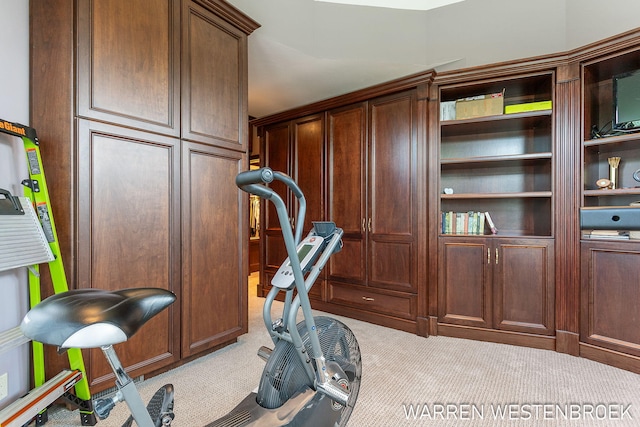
(249, 182)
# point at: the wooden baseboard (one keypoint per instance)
(568, 342)
(501, 337)
(610, 357)
(422, 326)
(433, 325)
(367, 316)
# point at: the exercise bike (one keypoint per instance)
(312, 374)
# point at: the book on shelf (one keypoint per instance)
(463, 222)
(606, 234)
(490, 223)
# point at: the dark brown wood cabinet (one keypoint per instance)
(214, 284)
(608, 324)
(524, 286)
(309, 163)
(539, 282)
(609, 296)
(373, 194)
(347, 191)
(392, 192)
(296, 148)
(214, 88)
(358, 159)
(465, 291)
(144, 141)
(128, 226)
(497, 283)
(277, 155)
(499, 164)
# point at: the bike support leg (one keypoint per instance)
(128, 390)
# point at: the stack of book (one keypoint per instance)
(466, 223)
(606, 234)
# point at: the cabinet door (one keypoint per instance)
(309, 160)
(129, 234)
(214, 286)
(214, 80)
(609, 296)
(464, 282)
(308, 152)
(523, 283)
(347, 193)
(129, 63)
(391, 225)
(277, 157)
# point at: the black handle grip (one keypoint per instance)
(9, 205)
(289, 182)
(259, 176)
(259, 190)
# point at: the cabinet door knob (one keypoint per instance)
(368, 299)
(497, 255)
(488, 256)
(364, 220)
(369, 225)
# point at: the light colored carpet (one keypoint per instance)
(446, 381)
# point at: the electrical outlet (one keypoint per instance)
(4, 385)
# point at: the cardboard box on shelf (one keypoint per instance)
(480, 106)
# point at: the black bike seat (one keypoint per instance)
(88, 318)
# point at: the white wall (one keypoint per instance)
(14, 107)
(308, 50)
(492, 31)
(589, 21)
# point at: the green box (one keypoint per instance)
(529, 106)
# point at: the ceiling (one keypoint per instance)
(307, 50)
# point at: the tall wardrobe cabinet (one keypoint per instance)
(141, 111)
(296, 148)
(359, 158)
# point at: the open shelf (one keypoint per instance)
(497, 178)
(517, 89)
(521, 159)
(532, 194)
(629, 139)
(515, 120)
(512, 216)
(598, 112)
(496, 137)
(598, 88)
(501, 164)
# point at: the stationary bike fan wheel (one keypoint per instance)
(339, 345)
(284, 374)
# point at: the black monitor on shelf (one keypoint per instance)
(626, 101)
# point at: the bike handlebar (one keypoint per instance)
(252, 183)
(259, 176)
(247, 181)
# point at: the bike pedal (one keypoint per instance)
(264, 353)
(103, 407)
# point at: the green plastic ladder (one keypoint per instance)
(45, 392)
